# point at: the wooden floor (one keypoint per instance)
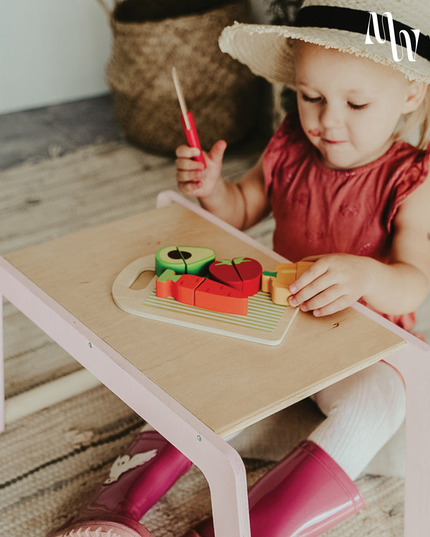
(56, 130)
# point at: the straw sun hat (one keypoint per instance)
(342, 25)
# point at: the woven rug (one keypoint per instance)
(54, 458)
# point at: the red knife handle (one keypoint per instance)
(192, 136)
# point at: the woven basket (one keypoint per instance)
(221, 92)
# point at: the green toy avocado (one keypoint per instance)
(184, 259)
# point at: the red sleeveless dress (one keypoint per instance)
(319, 210)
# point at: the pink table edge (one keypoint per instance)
(219, 462)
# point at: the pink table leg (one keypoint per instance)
(219, 462)
(2, 404)
(413, 362)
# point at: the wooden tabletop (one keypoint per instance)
(227, 383)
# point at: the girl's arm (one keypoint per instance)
(336, 281)
(406, 282)
(240, 204)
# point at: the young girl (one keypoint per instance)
(349, 194)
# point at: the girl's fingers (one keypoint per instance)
(217, 152)
(337, 305)
(190, 176)
(322, 299)
(184, 151)
(193, 178)
(183, 164)
(190, 188)
(318, 269)
(312, 289)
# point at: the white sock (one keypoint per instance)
(363, 412)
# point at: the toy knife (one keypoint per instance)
(187, 120)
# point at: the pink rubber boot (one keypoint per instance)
(306, 494)
(137, 480)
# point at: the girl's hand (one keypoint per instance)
(331, 284)
(192, 178)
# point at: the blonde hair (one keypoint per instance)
(417, 121)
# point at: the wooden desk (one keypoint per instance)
(194, 387)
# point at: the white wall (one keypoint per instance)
(51, 51)
(54, 51)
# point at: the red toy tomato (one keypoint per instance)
(241, 273)
(225, 272)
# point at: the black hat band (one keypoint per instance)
(357, 21)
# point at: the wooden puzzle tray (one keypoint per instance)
(265, 322)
